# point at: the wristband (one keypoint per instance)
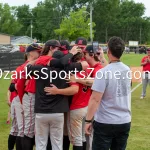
(88, 121)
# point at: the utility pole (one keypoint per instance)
(140, 35)
(91, 13)
(31, 28)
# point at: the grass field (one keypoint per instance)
(140, 132)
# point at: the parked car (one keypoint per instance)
(142, 49)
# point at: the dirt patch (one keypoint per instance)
(136, 74)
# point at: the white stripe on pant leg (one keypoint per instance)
(14, 126)
(29, 115)
(19, 116)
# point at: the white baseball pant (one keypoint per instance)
(46, 124)
(75, 125)
(17, 118)
(29, 115)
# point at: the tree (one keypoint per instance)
(8, 20)
(24, 16)
(76, 25)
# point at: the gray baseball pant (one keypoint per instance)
(17, 118)
(29, 115)
(145, 82)
(75, 125)
(46, 124)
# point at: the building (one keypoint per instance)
(21, 40)
(5, 39)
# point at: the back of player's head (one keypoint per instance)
(65, 46)
(116, 46)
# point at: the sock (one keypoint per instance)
(11, 142)
(19, 143)
(28, 143)
(77, 147)
(66, 143)
(84, 145)
(49, 146)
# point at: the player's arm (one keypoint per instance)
(53, 90)
(34, 70)
(8, 97)
(64, 61)
(86, 81)
(143, 63)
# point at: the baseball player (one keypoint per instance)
(11, 97)
(49, 110)
(33, 52)
(16, 114)
(94, 62)
(78, 109)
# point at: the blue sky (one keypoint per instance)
(33, 3)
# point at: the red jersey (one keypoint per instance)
(81, 99)
(147, 66)
(12, 96)
(21, 81)
(31, 85)
(97, 67)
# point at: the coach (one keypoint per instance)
(110, 102)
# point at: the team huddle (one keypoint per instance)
(50, 114)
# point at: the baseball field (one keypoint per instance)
(140, 132)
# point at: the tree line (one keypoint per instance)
(68, 19)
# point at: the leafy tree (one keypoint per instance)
(8, 20)
(24, 15)
(77, 24)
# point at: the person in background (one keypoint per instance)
(110, 102)
(145, 63)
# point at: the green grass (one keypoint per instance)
(139, 138)
(132, 60)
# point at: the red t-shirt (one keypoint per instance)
(147, 66)
(31, 85)
(97, 67)
(21, 81)
(81, 99)
(12, 96)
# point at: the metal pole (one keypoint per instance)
(91, 36)
(140, 34)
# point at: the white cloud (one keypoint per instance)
(32, 3)
(147, 6)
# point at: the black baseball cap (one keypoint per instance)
(53, 43)
(89, 49)
(81, 42)
(58, 54)
(33, 47)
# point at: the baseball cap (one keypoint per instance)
(89, 49)
(54, 43)
(81, 42)
(33, 47)
(58, 54)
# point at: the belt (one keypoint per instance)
(26, 93)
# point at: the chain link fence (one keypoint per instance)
(10, 61)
